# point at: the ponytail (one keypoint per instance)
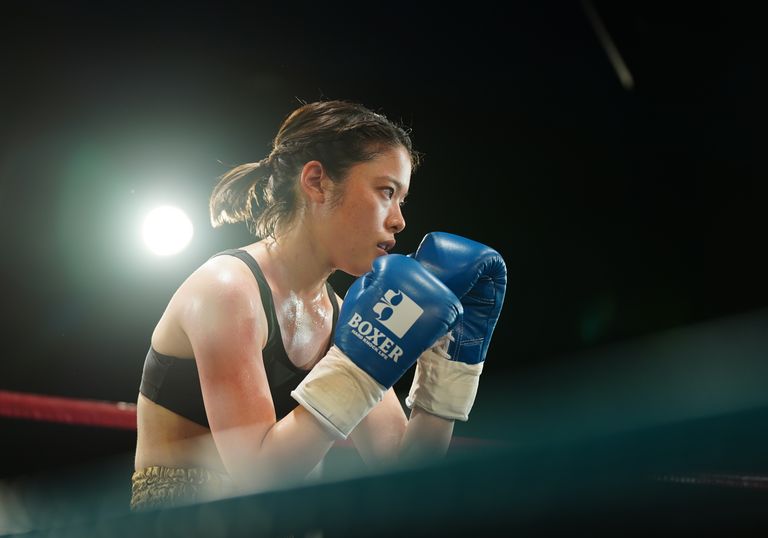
(233, 197)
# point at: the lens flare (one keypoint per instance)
(167, 231)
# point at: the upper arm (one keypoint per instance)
(224, 320)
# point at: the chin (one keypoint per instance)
(359, 270)
(358, 265)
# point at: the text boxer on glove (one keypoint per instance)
(389, 317)
(446, 380)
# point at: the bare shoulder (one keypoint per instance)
(223, 287)
(220, 294)
(223, 278)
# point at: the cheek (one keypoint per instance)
(364, 214)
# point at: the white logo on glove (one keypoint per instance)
(397, 312)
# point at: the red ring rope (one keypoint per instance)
(733, 480)
(118, 414)
(68, 410)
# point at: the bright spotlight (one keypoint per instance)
(167, 230)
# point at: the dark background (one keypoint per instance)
(620, 213)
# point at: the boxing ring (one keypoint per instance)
(606, 486)
(702, 474)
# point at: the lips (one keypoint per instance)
(387, 245)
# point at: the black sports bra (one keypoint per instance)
(175, 383)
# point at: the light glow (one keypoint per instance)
(167, 231)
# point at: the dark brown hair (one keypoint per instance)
(338, 134)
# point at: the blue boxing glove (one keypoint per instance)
(390, 316)
(447, 375)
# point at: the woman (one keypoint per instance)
(215, 412)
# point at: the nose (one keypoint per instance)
(396, 220)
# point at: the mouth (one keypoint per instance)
(386, 246)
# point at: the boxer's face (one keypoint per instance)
(362, 225)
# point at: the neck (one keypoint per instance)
(295, 263)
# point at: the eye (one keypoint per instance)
(389, 191)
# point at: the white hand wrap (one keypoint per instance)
(444, 387)
(338, 393)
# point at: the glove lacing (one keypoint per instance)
(441, 346)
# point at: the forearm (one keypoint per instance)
(386, 437)
(288, 452)
(427, 436)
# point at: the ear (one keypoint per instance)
(314, 181)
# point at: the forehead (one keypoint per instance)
(393, 165)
